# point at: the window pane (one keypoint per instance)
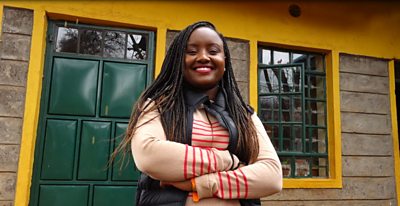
(280, 57)
(269, 108)
(302, 168)
(286, 166)
(271, 78)
(297, 134)
(299, 58)
(264, 84)
(266, 56)
(317, 63)
(319, 167)
(90, 42)
(316, 86)
(316, 141)
(291, 108)
(315, 114)
(67, 40)
(291, 79)
(137, 47)
(273, 133)
(114, 44)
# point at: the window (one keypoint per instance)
(103, 43)
(292, 106)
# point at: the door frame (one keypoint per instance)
(44, 92)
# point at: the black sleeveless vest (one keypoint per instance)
(149, 192)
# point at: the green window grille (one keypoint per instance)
(292, 106)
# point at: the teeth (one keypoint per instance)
(203, 69)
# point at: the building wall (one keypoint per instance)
(14, 55)
(364, 124)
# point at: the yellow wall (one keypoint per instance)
(361, 28)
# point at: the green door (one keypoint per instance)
(93, 76)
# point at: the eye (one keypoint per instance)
(214, 51)
(191, 51)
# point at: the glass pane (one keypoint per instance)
(287, 135)
(266, 56)
(286, 166)
(67, 40)
(299, 58)
(319, 167)
(281, 57)
(318, 137)
(291, 79)
(90, 42)
(291, 108)
(271, 77)
(317, 63)
(114, 44)
(302, 168)
(137, 47)
(269, 108)
(297, 114)
(316, 113)
(316, 87)
(297, 134)
(264, 85)
(273, 132)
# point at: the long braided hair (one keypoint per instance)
(166, 93)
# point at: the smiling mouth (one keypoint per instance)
(203, 70)
(200, 69)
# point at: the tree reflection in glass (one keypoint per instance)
(67, 40)
(114, 44)
(90, 42)
(136, 47)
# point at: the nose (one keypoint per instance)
(203, 56)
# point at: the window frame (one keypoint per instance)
(334, 180)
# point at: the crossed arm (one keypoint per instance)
(170, 162)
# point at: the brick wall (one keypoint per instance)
(367, 152)
(14, 57)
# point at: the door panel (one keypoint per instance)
(122, 85)
(129, 172)
(55, 195)
(110, 195)
(73, 87)
(94, 149)
(58, 154)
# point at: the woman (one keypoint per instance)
(193, 137)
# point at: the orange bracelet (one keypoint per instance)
(195, 196)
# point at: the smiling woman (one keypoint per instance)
(204, 61)
(193, 137)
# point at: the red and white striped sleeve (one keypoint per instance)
(171, 161)
(259, 179)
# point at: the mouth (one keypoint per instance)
(203, 69)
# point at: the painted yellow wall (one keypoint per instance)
(361, 28)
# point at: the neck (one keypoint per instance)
(212, 93)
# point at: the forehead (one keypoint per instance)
(204, 35)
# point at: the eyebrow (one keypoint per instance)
(211, 44)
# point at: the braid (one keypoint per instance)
(166, 94)
(247, 147)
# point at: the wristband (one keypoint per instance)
(195, 196)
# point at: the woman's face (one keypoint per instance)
(204, 59)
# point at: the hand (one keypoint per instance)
(184, 185)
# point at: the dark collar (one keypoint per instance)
(195, 98)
